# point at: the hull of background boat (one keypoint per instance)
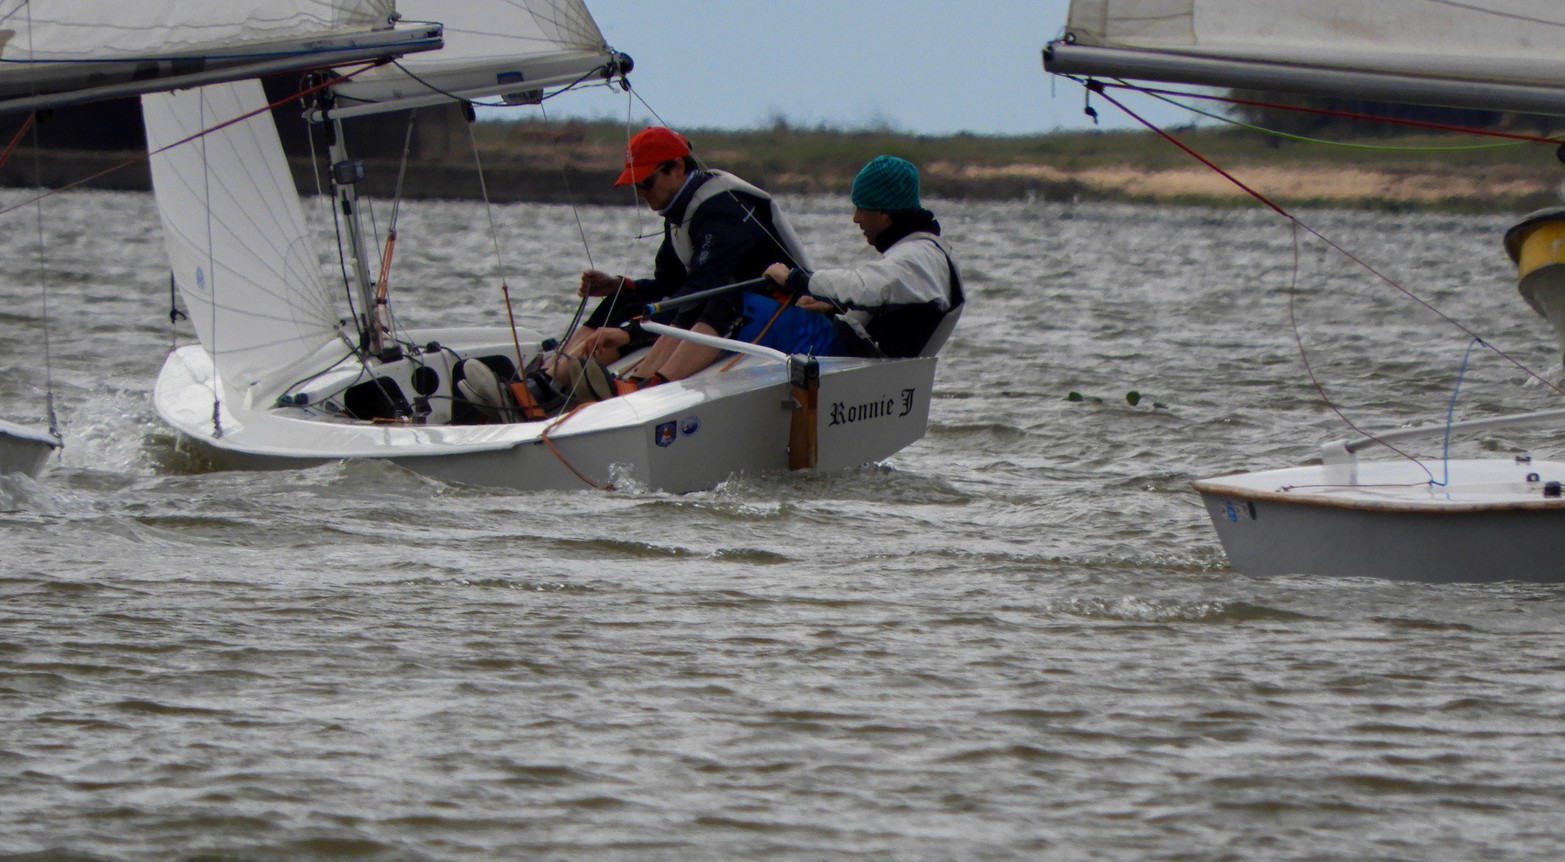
(683, 436)
(24, 449)
(1493, 520)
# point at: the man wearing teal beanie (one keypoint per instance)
(888, 184)
(903, 304)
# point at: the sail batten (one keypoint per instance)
(1490, 54)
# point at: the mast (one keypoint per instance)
(511, 50)
(345, 176)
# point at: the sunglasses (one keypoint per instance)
(646, 184)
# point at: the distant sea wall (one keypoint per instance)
(101, 146)
(512, 182)
(535, 180)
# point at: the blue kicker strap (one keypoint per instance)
(1450, 412)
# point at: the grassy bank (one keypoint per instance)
(1433, 171)
(533, 161)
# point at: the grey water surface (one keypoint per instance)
(1018, 639)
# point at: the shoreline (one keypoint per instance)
(535, 179)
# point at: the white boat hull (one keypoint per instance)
(23, 449)
(683, 436)
(1492, 520)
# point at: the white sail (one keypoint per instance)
(61, 51)
(506, 49)
(1490, 54)
(235, 234)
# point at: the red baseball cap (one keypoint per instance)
(651, 147)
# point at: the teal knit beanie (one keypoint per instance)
(887, 183)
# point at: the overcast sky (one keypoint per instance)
(919, 66)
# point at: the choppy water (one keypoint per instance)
(1017, 640)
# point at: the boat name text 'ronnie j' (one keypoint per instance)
(844, 414)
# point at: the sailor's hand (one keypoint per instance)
(777, 272)
(810, 303)
(596, 283)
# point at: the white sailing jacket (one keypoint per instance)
(916, 270)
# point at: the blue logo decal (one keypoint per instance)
(1232, 510)
(665, 434)
(689, 425)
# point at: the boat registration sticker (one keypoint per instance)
(665, 433)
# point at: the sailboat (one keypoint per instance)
(55, 53)
(297, 367)
(1474, 520)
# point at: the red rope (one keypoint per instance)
(20, 133)
(1193, 154)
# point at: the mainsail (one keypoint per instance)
(1504, 55)
(506, 49)
(56, 52)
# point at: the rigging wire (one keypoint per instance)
(206, 191)
(1304, 354)
(612, 298)
(329, 206)
(43, 290)
(30, 125)
(483, 191)
(43, 268)
(570, 330)
(1299, 225)
(581, 231)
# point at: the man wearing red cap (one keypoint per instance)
(717, 230)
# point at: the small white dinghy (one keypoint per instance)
(1485, 520)
(1437, 520)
